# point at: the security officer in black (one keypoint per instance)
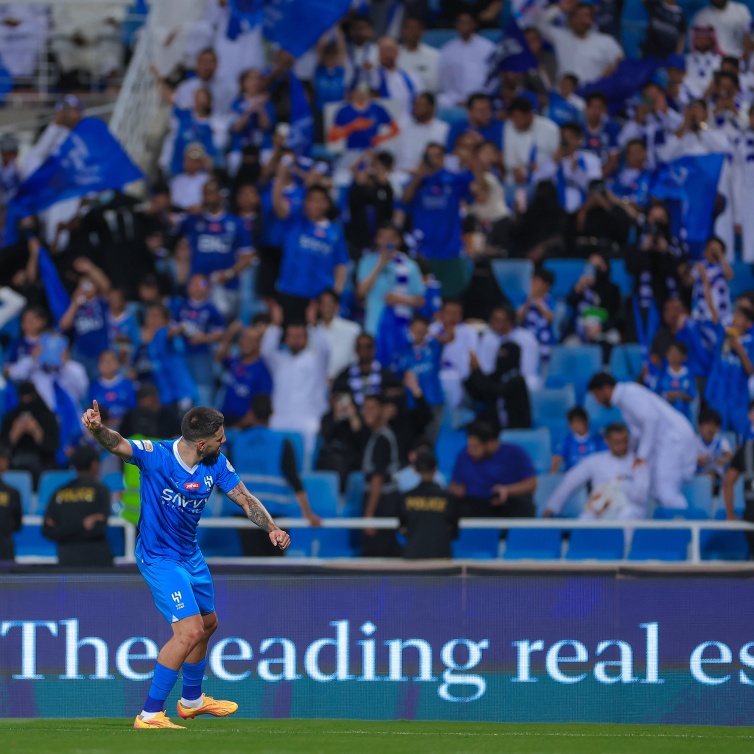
(428, 514)
(10, 509)
(77, 513)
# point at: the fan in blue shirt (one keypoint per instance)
(177, 479)
(246, 375)
(33, 324)
(315, 257)
(423, 357)
(675, 382)
(601, 133)
(220, 244)
(200, 320)
(579, 444)
(362, 122)
(190, 127)
(537, 313)
(113, 391)
(433, 199)
(480, 120)
(254, 114)
(561, 108)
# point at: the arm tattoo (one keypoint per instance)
(255, 511)
(108, 439)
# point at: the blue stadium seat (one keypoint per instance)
(452, 115)
(680, 514)
(723, 545)
(567, 272)
(219, 542)
(546, 484)
(322, 489)
(438, 37)
(621, 277)
(239, 450)
(514, 278)
(29, 541)
(333, 543)
(626, 361)
(536, 442)
(549, 406)
(533, 544)
(596, 544)
(574, 365)
(450, 442)
(698, 492)
(743, 280)
(477, 544)
(669, 545)
(297, 441)
(600, 416)
(49, 481)
(23, 482)
(117, 539)
(354, 495)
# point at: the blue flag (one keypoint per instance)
(691, 182)
(296, 25)
(58, 299)
(512, 53)
(90, 159)
(625, 81)
(301, 136)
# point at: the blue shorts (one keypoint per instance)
(180, 588)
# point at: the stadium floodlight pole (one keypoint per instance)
(177, 479)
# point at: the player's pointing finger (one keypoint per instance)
(95, 406)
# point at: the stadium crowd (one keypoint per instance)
(382, 245)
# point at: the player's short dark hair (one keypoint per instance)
(83, 457)
(201, 423)
(600, 380)
(261, 407)
(615, 428)
(710, 416)
(548, 276)
(577, 413)
(481, 430)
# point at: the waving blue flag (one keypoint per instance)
(625, 81)
(512, 53)
(58, 299)
(90, 159)
(691, 183)
(296, 25)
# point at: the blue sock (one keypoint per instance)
(193, 675)
(162, 684)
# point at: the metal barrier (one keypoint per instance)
(694, 527)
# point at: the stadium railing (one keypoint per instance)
(695, 529)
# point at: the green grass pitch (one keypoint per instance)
(104, 736)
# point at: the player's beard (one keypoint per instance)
(210, 460)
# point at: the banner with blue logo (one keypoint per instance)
(89, 160)
(512, 53)
(691, 183)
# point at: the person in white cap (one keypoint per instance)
(663, 437)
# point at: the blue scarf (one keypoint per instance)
(384, 91)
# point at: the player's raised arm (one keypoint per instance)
(258, 514)
(110, 440)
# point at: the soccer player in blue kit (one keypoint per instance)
(177, 478)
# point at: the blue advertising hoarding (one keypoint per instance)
(502, 647)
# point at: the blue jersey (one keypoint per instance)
(363, 139)
(329, 85)
(188, 129)
(425, 362)
(576, 448)
(311, 252)
(216, 243)
(492, 132)
(273, 228)
(173, 497)
(432, 298)
(728, 383)
(19, 348)
(90, 327)
(561, 111)
(632, 185)
(242, 383)
(123, 327)
(680, 382)
(199, 318)
(436, 213)
(603, 141)
(117, 396)
(536, 323)
(252, 134)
